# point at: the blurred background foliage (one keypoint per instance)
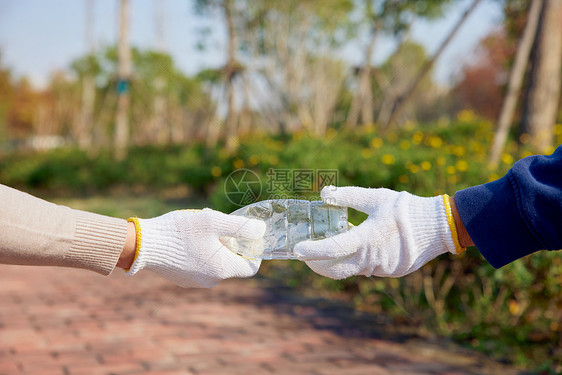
(283, 100)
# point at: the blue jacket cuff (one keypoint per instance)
(492, 219)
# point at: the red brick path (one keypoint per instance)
(64, 321)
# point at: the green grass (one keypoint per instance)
(126, 204)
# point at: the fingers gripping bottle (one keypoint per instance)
(288, 222)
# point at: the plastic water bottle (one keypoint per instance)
(288, 222)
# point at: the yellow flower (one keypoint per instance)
(507, 159)
(513, 307)
(331, 133)
(414, 168)
(366, 153)
(417, 138)
(462, 165)
(376, 142)
(238, 163)
(466, 115)
(459, 150)
(453, 179)
(274, 160)
(405, 144)
(526, 153)
(254, 159)
(435, 142)
(425, 165)
(409, 125)
(441, 160)
(388, 159)
(451, 169)
(403, 178)
(274, 145)
(370, 128)
(493, 177)
(477, 147)
(216, 171)
(223, 153)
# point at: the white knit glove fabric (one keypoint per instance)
(183, 246)
(402, 233)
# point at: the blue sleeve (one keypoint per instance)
(518, 214)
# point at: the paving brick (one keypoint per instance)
(75, 357)
(364, 370)
(107, 369)
(45, 371)
(72, 322)
(39, 364)
(8, 367)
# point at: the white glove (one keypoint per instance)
(402, 233)
(183, 246)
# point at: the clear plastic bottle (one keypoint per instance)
(288, 222)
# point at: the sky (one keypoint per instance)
(38, 37)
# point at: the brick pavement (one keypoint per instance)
(56, 321)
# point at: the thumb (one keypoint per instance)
(329, 248)
(241, 227)
(361, 199)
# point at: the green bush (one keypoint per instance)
(514, 313)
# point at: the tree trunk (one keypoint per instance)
(542, 99)
(214, 126)
(178, 123)
(515, 81)
(87, 112)
(161, 130)
(401, 102)
(362, 102)
(245, 126)
(325, 82)
(231, 71)
(85, 124)
(124, 75)
(231, 119)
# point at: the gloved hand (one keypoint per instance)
(402, 233)
(183, 246)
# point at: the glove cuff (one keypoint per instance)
(156, 248)
(452, 225)
(431, 229)
(138, 236)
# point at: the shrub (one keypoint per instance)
(514, 313)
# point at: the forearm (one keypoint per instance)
(128, 254)
(464, 237)
(36, 232)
